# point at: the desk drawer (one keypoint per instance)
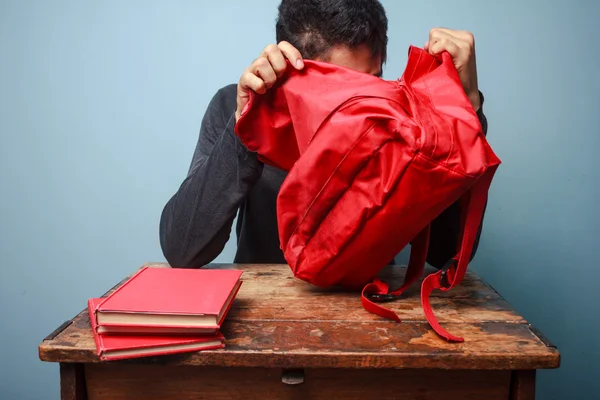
(150, 382)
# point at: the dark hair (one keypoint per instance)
(315, 26)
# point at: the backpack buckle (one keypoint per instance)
(381, 297)
(444, 272)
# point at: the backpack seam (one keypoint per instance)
(444, 165)
(348, 242)
(337, 167)
(326, 120)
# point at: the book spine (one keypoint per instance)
(163, 353)
(94, 326)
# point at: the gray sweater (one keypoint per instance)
(225, 179)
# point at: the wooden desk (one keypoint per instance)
(289, 340)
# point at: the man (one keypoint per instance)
(226, 178)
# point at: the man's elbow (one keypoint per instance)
(179, 254)
(177, 259)
(173, 245)
(175, 255)
(182, 250)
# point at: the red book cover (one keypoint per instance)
(117, 347)
(171, 297)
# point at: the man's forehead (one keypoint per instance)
(360, 59)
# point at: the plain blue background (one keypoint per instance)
(100, 105)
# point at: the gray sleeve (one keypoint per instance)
(196, 222)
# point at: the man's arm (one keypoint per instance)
(444, 237)
(196, 222)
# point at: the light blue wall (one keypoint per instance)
(100, 104)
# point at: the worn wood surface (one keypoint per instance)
(152, 382)
(279, 321)
(523, 385)
(72, 382)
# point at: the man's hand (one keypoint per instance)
(461, 46)
(262, 74)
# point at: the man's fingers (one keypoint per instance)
(445, 44)
(462, 35)
(263, 69)
(252, 82)
(276, 59)
(248, 82)
(292, 54)
(262, 74)
(464, 40)
(461, 46)
(439, 33)
(441, 39)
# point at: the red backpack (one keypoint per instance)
(371, 163)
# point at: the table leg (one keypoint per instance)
(72, 382)
(523, 385)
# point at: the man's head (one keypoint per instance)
(351, 33)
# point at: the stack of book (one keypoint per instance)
(163, 311)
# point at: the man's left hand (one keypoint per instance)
(461, 46)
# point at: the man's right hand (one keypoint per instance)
(262, 74)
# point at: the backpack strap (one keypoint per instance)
(378, 291)
(450, 275)
(454, 271)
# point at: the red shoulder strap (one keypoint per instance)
(454, 272)
(447, 277)
(379, 291)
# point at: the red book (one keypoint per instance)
(169, 300)
(117, 347)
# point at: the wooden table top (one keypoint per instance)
(278, 321)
